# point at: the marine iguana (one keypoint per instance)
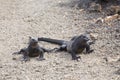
(33, 50)
(76, 45)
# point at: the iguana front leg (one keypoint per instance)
(25, 56)
(19, 52)
(41, 55)
(88, 49)
(74, 57)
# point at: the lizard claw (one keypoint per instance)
(25, 60)
(76, 58)
(40, 59)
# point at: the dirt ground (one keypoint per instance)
(58, 19)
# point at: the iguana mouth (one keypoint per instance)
(86, 39)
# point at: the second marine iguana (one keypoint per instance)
(76, 45)
(33, 50)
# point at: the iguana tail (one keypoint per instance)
(54, 41)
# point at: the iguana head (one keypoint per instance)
(84, 38)
(33, 42)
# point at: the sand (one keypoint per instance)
(58, 19)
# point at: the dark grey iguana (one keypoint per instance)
(33, 50)
(76, 45)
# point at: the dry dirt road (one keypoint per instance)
(20, 19)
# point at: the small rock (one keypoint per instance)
(95, 7)
(68, 66)
(57, 62)
(105, 58)
(37, 70)
(119, 59)
(118, 30)
(99, 21)
(110, 18)
(1, 67)
(107, 19)
(6, 74)
(113, 10)
(93, 36)
(14, 59)
(118, 72)
(111, 59)
(117, 36)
